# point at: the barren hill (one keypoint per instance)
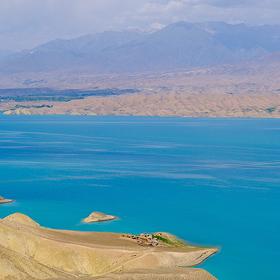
(30, 252)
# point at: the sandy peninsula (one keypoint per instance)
(61, 255)
(96, 217)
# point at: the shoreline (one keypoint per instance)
(233, 118)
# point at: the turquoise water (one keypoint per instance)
(212, 182)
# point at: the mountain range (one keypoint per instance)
(177, 46)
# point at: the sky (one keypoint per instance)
(25, 24)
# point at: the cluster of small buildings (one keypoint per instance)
(144, 239)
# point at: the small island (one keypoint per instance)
(5, 201)
(96, 217)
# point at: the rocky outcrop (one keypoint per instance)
(29, 251)
(96, 217)
(5, 201)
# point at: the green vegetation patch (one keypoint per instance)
(172, 241)
(270, 109)
(49, 94)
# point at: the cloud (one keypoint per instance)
(26, 23)
(233, 11)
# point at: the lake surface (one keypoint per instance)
(210, 181)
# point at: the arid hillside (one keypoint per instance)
(31, 252)
(243, 90)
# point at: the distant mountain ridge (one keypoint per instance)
(177, 46)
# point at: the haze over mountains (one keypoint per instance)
(178, 46)
(185, 69)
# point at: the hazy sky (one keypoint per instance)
(26, 23)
